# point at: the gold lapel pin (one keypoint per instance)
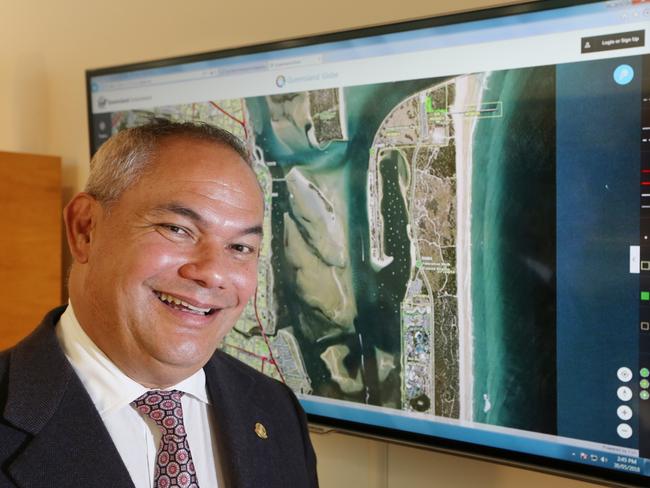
(260, 430)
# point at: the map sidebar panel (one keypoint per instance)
(643, 377)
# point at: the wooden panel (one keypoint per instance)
(30, 242)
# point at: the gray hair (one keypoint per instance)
(125, 157)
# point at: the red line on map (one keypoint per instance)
(246, 351)
(240, 122)
(117, 119)
(243, 114)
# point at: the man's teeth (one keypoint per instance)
(177, 301)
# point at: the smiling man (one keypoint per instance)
(125, 386)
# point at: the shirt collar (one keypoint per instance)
(109, 388)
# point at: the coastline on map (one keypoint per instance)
(469, 90)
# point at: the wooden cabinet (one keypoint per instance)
(30, 242)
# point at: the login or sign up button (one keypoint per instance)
(608, 42)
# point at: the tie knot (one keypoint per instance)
(164, 408)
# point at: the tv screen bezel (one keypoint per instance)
(319, 423)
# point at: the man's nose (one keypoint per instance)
(208, 267)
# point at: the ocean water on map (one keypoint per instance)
(513, 253)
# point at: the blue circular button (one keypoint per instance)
(623, 74)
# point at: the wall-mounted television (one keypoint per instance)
(457, 247)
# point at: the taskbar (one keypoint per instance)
(590, 454)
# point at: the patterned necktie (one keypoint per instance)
(174, 465)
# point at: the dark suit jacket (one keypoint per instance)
(51, 435)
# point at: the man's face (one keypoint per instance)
(173, 262)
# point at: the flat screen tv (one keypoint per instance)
(457, 247)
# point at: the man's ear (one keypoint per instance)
(80, 218)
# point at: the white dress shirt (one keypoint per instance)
(135, 436)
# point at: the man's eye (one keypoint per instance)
(174, 229)
(243, 248)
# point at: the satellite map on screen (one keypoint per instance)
(388, 209)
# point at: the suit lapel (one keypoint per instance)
(69, 445)
(246, 459)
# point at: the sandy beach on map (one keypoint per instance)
(468, 97)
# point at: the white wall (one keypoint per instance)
(45, 46)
